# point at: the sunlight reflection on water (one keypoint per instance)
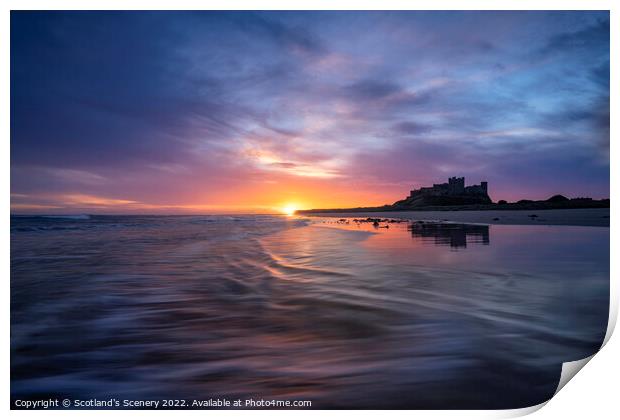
(347, 315)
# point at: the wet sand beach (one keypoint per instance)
(342, 314)
(569, 217)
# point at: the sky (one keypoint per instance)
(211, 112)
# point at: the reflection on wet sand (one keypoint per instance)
(452, 234)
(342, 313)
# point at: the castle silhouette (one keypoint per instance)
(454, 187)
(454, 192)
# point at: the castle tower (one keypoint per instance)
(456, 185)
(484, 186)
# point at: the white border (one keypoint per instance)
(592, 394)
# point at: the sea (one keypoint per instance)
(344, 313)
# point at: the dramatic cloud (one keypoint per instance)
(216, 111)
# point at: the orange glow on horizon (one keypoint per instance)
(289, 209)
(282, 195)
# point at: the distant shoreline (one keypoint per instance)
(520, 205)
(567, 217)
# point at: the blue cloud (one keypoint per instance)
(480, 93)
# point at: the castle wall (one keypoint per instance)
(454, 187)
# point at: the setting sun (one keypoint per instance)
(289, 209)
